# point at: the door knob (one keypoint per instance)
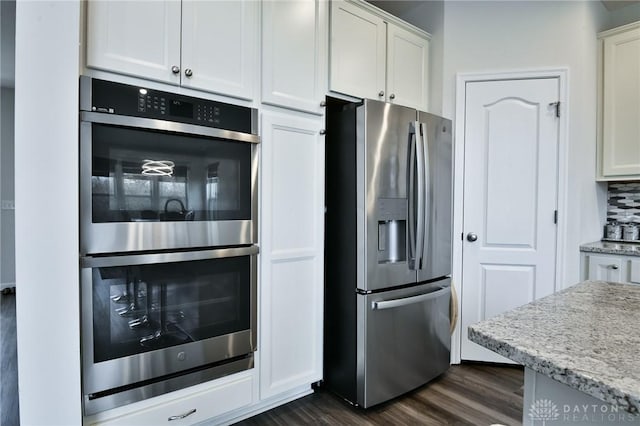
(471, 237)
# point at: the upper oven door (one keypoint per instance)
(150, 184)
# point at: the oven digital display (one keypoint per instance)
(181, 109)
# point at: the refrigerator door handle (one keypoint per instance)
(426, 216)
(421, 194)
(413, 262)
(388, 304)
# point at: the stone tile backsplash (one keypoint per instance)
(624, 202)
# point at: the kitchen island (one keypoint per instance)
(581, 351)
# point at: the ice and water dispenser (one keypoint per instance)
(392, 230)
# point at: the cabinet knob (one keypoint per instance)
(175, 69)
(188, 72)
(323, 104)
(323, 131)
(614, 267)
(392, 96)
(381, 93)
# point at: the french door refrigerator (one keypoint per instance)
(388, 250)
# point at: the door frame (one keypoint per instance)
(458, 186)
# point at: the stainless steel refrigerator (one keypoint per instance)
(387, 249)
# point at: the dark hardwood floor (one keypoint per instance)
(468, 394)
(9, 415)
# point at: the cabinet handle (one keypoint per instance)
(392, 96)
(188, 72)
(175, 69)
(182, 416)
(614, 267)
(381, 93)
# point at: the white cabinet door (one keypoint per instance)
(604, 268)
(219, 42)
(140, 38)
(292, 222)
(294, 63)
(621, 108)
(357, 52)
(407, 68)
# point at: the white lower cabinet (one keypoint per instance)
(611, 267)
(203, 404)
(292, 232)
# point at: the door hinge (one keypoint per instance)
(555, 217)
(557, 106)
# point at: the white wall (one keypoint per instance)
(525, 35)
(46, 159)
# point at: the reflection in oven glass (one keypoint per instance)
(141, 308)
(146, 176)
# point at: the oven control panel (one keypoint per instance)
(137, 101)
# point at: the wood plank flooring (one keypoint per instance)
(9, 414)
(468, 394)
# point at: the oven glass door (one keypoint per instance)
(146, 316)
(147, 189)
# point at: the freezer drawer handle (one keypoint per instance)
(388, 304)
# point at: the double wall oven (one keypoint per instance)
(168, 225)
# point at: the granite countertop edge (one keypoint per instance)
(566, 376)
(522, 349)
(612, 247)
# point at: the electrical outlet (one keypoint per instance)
(8, 205)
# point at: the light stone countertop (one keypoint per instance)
(586, 337)
(609, 247)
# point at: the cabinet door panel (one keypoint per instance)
(134, 37)
(357, 52)
(407, 68)
(294, 67)
(219, 40)
(605, 268)
(621, 109)
(291, 253)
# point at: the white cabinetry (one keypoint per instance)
(619, 134)
(292, 221)
(201, 45)
(610, 267)
(294, 65)
(373, 55)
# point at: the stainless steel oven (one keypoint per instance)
(168, 233)
(164, 171)
(153, 323)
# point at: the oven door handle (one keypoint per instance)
(166, 126)
(183, 256)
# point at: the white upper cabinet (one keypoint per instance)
(219, 41)
(135, 37)
(294, 54)
(407, 68)
(619, 136)
(357, 52)
(376, 56)
(202, 45)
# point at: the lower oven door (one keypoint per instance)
(152, 316)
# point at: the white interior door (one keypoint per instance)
(510, 198)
